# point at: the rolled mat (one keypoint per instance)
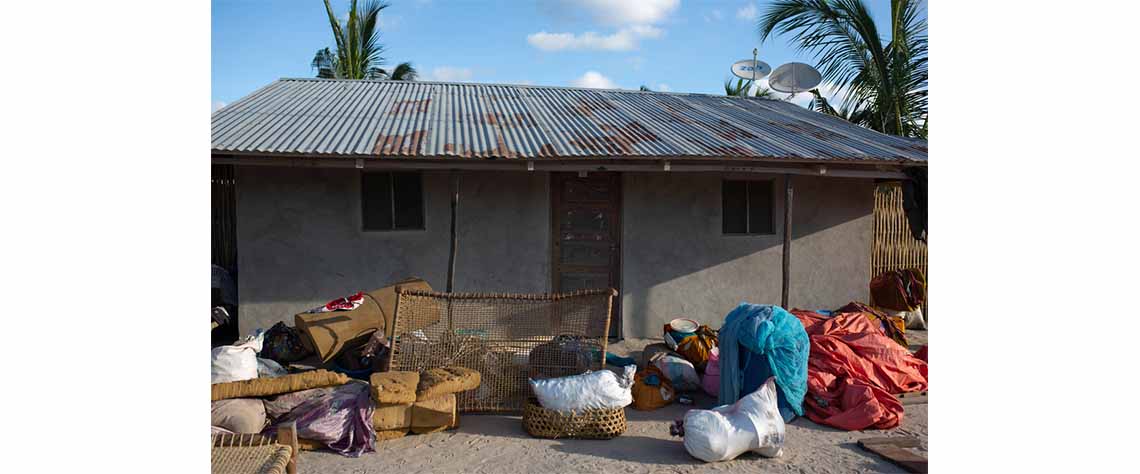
(385, 435)
(394, 387)
(444, 380)
(266, 387)
(391, 416)
(437, 414)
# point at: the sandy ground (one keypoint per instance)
(498, 444)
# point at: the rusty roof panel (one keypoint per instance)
(397, 119)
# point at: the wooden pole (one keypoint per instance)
(454, 237)
(287, 435)
(787, 238)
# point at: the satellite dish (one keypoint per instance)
(794, 78)
(750, 69)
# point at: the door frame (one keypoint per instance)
(555, 202)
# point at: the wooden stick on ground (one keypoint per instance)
(894, 450)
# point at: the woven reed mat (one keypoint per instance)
(494, 335)
(248, 455)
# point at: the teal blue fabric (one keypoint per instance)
(770, 331)
(614, 359)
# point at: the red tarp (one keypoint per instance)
(854, 372)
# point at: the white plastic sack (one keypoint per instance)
(601, 389)
(680, 372)
(753, 423)
(912, 319)
(915, 319)
(236, 362)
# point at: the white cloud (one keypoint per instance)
(625, 39)
(389, 22)
(633, 21)
(217, 104)
(594, 80)
(663, 87)
(834, 95)
(450, 74)
(619, 12)
(714, 15)
(748, 12)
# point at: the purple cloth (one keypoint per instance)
(340, 418)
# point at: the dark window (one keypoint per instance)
(747, 207)
(392, 201)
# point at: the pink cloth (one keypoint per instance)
(710, 381)
(346, 303)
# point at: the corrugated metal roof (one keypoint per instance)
(397, 119)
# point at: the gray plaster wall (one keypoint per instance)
(676, 262)
(300, 241)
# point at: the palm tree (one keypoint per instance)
(358, 50)
(820, 104)
(741, 87)
(886, 83)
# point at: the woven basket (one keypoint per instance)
(601, 423)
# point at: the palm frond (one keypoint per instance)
(885, 82)
(404, 72)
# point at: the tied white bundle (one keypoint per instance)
(236, 362)
(753, 423)
(601, 389)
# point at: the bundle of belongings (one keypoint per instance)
(752, 423)
(329, 409)
(336, 412)
(685, 362)
(592, 390)
(901, 293)
(855, 370)
(253, 391)
(420, 402)
(344, 326)
(758, 342)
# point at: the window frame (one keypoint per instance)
(747, 203)
(392, 201)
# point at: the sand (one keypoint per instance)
(498, 444)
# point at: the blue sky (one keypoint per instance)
(673, 45)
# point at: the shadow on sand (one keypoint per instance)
(626, 448)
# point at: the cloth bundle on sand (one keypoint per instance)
(267, 387)
(238, 415)
(761, 341)
(900, 290)
(339, 418)
(854, 372)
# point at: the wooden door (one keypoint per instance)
(586, 228)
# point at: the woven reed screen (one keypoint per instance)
(507, 338)
(894, 248)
